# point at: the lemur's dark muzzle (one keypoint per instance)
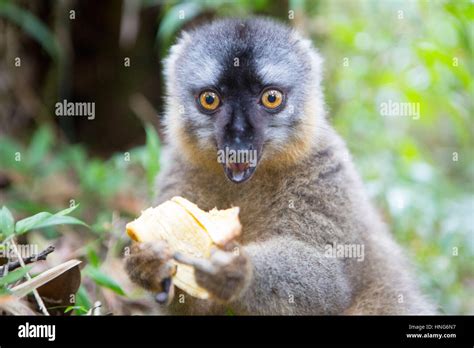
(241, 144)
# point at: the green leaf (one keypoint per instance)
(60, 220)
(7, 222)
(229, 312)
(32, 26)
(67, 211)
(82, 298)
(29, 223)
(75, 308)
(8, 150)
(103, 279)
(13, 276)
(170, 23)
(92, 257)
(153, 155)
(44, 219)
(40, 145)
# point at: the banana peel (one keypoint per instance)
(188, 230)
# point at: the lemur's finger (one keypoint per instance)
(221, 258)
(199, 264)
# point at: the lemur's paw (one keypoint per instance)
(225, 275)
(150, 265)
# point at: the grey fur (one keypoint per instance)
(290, 211)
(279, 55)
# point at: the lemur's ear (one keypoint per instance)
(183, 38)
(169, 63)
(317, 60)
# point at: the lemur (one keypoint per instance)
(255, 85)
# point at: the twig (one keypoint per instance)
(35, 292)
(10, 266)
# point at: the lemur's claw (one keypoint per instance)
(166, 296)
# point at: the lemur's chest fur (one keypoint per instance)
(257, 206)
(271, 203)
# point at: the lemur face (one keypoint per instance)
(240, 89)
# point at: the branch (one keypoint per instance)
(38, 298)
(10, 266)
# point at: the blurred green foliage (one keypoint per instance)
(30, 24)
(10, 229)
(99, 183)
(418, 171)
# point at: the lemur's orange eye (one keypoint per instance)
(272, 98)
(209, 100)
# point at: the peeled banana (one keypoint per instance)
(188, 230)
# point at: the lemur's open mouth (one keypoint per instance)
(239, 172)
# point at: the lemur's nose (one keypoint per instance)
(238, 126)
(239, 133)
